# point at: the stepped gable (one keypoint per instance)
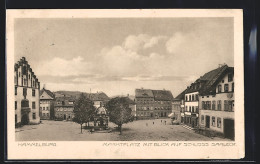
(143, 93)
(162, 95)
(52, 95)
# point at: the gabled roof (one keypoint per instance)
(162, 95)
(52, 95)
(143, 93)
(100, 96)
(207, 82)
(181, 95)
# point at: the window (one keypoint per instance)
(197, 109)
(47, 108)
(186, 98)
(189, 97)
(222, 81)
(15, 105)
(230, 77)
(34, 116)
(219, 88)
(29, 76)
(209, 105)
(213, 105)
(16, 118)
(33, 92)
(43, 108)
(19, 74)
(192, 97)
(192, 109)
(40, 108)
(226, 87)
(43, 114)
(186, 109)
(225, 105)
(203, 105)
(232, 87)
(15, 90)
(197, 97)
(25, 92)
(219, 104)
(213, 121)
(33, 105)
(219, 122)
(202, 119)
(63, 103)
(24, 82)
(47, 114)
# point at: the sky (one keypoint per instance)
(118, 55)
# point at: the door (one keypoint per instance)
(25, 119)
(229, 131)
(64, 117)
(207, 121)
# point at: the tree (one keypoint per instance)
(83, 110)
(119, 111)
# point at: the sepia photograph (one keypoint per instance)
(91, 76)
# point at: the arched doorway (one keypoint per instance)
(25, 119)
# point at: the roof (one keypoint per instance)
(162, 95)
(206, 84)
(52, 95)
(129, 100)
(143, 93)
(181, 95)
(100, 96)
(66, 101)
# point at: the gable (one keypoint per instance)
(45, 96)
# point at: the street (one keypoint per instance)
(141, 130)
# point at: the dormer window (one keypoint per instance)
(219, 88)
(226, 87)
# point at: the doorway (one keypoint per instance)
(64, 117)
(25, 119)
(229, 131)
(207, 121)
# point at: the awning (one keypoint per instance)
(171, 115)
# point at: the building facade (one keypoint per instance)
(217, 109)
(153, 103)
(47, 100)
(63, 108)
(204, 85)
(27, 94)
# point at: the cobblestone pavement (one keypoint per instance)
(141, 130)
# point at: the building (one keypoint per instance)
(217, 107)
(47, 100)
(99, 98)
(63, 108)
(153, 103)
(207, 82)
(132, 106)
(178, 107)
(27, 94)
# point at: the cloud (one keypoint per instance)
(63, 67)
(175, 42)
(141, 41)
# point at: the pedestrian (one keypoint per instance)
(165, 122)
(153, 122)
(161, 121)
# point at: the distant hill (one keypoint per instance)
(93, 96)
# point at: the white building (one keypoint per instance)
(47, 99)
(27, 90)
(217, 108)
